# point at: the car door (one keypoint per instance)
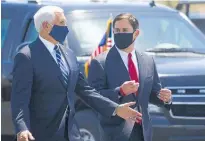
(8, 27)
(13, 29)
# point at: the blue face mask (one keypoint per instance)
(59, 33)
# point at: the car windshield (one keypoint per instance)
(155, 32)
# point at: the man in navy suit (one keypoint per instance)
(45, 79)
(135, 76)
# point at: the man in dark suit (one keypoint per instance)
(135, 77)
(45, 78)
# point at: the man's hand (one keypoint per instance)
(124, 111)
(25, 136)
(165, 95)
(129, 87)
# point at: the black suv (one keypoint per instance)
(176, 44)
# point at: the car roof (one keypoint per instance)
(143, 7)
(113, 6)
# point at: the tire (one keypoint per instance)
(89, 125)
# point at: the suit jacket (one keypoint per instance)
(106, 73)
(40, 101)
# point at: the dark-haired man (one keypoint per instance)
(123, 75)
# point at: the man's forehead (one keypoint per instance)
(59, 13)
(123, 22)
(123, 26)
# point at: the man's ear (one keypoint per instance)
(136, 33)
(46, 26)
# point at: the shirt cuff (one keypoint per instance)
(114, 113)
(20, 132)
(121, 92)
(168, 102)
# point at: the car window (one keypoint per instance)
(4, 29)
(200, 23)
(31, 34)
(93, 31)
(165, 30)
(154, 31)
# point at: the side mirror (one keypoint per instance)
(19, 47)
(7, 80)
(179, 7)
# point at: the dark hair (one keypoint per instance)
(132, 20)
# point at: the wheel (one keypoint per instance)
(87, 135)
(89, 125)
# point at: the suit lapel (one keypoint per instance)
(68, 63)
(66, 55)
(49, 58)
(71, 63)
(142, 71)
(120, 66)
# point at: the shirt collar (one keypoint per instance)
(123, 53)
(50, 46)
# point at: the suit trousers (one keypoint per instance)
(137, 133)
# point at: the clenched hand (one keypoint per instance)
(129, 87)
(165, 95)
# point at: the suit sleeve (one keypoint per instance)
(156, 87)
(21, 92)
(97, 79)
(90, 96)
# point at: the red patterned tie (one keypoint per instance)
(132, 69)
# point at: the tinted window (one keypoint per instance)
(89, 32)
(166, 30)
(31, 34)
(4, 29)
(200, 23)
(155, 31)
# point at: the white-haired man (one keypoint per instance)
(45, 78)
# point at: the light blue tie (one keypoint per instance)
(61, 64)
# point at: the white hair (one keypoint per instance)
(45, 14)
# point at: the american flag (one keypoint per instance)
(105, 44)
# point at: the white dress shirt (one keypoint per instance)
(124, 56)
(50, 46)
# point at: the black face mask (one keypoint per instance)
(123, 40)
